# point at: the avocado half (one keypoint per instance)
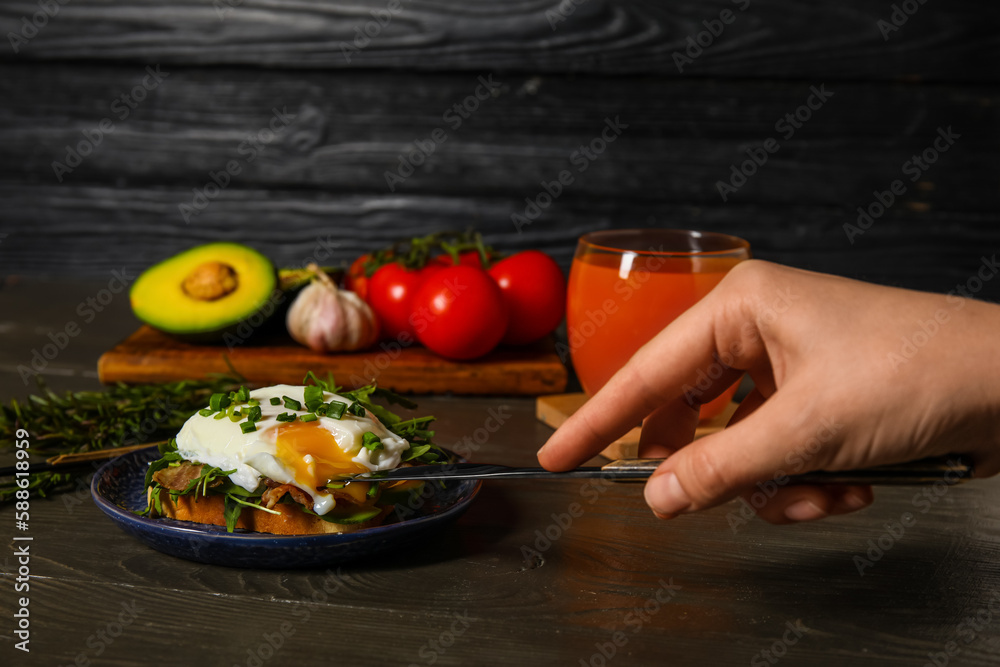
(203, 293)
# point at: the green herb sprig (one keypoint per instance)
(210, 477)
(118, 416)
(215, 481)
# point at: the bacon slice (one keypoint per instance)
(273, 494)
(177, 478)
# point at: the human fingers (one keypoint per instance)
(659, 375)
(722, 465)
(750, 402)
(667, 429)
(805, 502)
(672, 426)
(779, 504)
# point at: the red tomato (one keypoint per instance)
(390, 294)
(534, 290)
(460, 313)
(356, 281)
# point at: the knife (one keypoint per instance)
(948, 469)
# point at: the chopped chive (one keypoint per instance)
(357, 409)
(275, 400)
(254, 413)
(236, 415)
(242, 395)
(312, 394)
(371, 442)
(253, 402)
(309, 417)
(219, 415)
(291, 403)
(320, 410)
(205, 412)
(372, 490)
(335, 485)
(336, 409)
(218, 402)
(248, 426)
(286, 417)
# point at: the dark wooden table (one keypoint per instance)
(614, 585)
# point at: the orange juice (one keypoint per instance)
(620, 298)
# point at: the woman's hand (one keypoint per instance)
(848, 375)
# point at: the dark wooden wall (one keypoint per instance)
(321, 180)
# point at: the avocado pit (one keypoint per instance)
(210, 281)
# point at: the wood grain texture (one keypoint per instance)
(94, 230)
(737, 589)
(771, 39)
(320, 187)
(151, 356)
(344, 132)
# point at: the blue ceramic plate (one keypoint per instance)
(118, 490)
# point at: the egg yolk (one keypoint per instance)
(296, 440)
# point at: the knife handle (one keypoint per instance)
(950, 470)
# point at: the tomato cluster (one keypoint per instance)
(460, 307)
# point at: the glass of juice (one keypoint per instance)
(626, 285)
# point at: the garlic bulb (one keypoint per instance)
(326, 319)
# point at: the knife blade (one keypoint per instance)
(949, 469)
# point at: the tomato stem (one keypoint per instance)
(414, 253)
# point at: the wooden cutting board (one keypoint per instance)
(151, 356)
(554, 410)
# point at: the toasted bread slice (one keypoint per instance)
(290, 521)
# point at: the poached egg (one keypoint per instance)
(303, 454)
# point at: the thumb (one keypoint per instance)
(718, 467)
